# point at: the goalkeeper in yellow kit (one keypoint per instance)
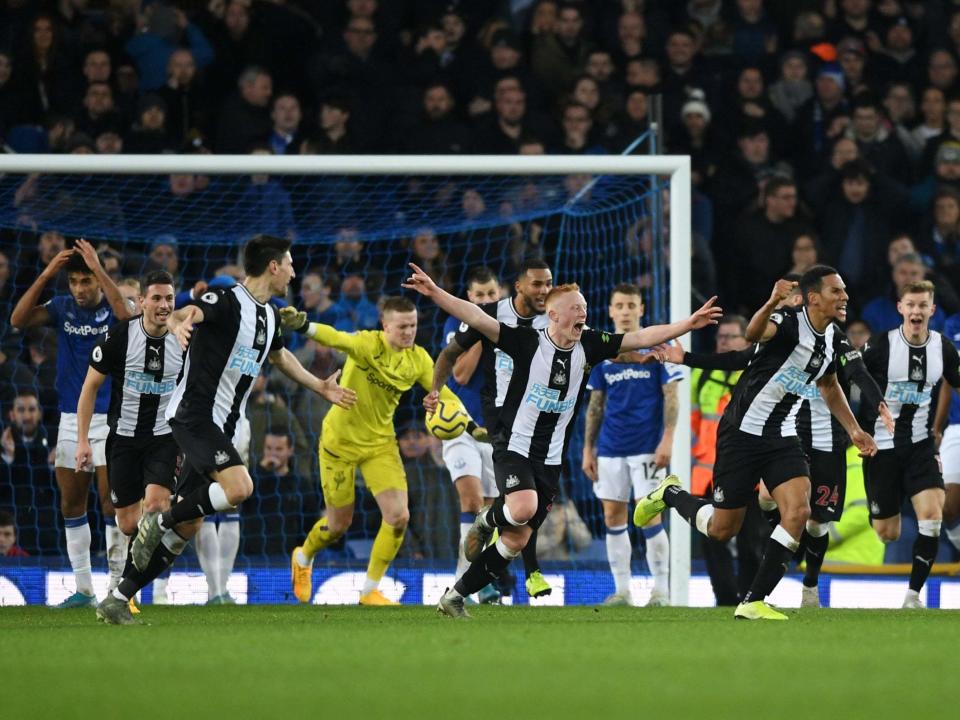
(381, 366)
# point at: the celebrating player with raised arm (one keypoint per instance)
(549, 376)
(757, 437)
(525, 309)
(228, 335)
(381, 366)
(81, 319)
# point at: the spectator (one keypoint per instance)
(264, 206)
(163, 28)
(764, 243)
(502, 134)
(274, 517)
(858, 333)
(186, 110)
(897, 60)
(99, 113)
(826, 183)
(353, 308)
(852, 58)
(804, 254)
(97, 67)
(855, 224)
(237, 44)
(163, 255)
(902, 113)
(245, 117)
(683, 71)
(754, 34)
(8, 537)
(286, 116)
(579, 136)
(334, 137)
(943, 235)
(823, 117)
(149, 132)
(933, 108)
(942, 71)
(749, 105)
(556, 57)
(348, 254)
(631, 39)
(586, 92)
(881, 313)
(697, 139)
(793, 88)
(46, 80)
(438, 132)
(878, 146)
(268, 408)
(25, 444)
(633, 122)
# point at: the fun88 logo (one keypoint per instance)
(548, 400)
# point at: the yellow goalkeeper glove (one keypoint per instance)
(293, 319)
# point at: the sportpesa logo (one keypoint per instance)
(628, 374)
(84, 330)
(374, 380)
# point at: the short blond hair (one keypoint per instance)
(922, 286)
(558, 290)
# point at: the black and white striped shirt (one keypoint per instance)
(497, 366)
(907, 374)
(783, 374)
(546, 387)
(227, 351)
(144, 372)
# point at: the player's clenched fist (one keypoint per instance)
(781, 290)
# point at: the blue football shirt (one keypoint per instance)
(633, 415)
(951, 330)
(78, 331)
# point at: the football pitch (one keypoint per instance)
(508, 662)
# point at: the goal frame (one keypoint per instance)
(676, 167)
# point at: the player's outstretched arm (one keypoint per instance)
(287, 363)
(856, 371)
(296, 320)
(181, 323)
(442, 369)
(837, 402)
(85, 406)
(760, 329)
(463, 310)
(118, 303)
(708, 314)
(26, 313)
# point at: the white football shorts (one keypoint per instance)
(67, 440)
(617, 475)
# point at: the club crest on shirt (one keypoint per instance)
(875, 508)
(559, 378)
(916, 374)
(718, 495)
(261, 338)
(816, 361)
(512, 481)
(221, 457)
(153, 364)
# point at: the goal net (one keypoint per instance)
(356, 222)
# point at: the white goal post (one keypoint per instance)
(676, 167)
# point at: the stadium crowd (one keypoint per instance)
(819, 131)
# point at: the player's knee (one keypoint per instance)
(887, 533)
(524, 510)
(723, 533)
(127, 524)
(795, 516)
(238, 491)
(337, 526)
(397, 519)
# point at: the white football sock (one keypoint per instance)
(116, 553)
(658, 557)
(207, 545)
(229, 534)
(618, 555)
(78, 550)
(462, 563)
(369, 585)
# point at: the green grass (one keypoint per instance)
(344, 662)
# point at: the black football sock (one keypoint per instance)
(684, 503)
(924, 553)
(195, 505)
(529, 552)
(161, 559)
(815, 549)
(485, 569)
(780, 548)
(772, 517)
